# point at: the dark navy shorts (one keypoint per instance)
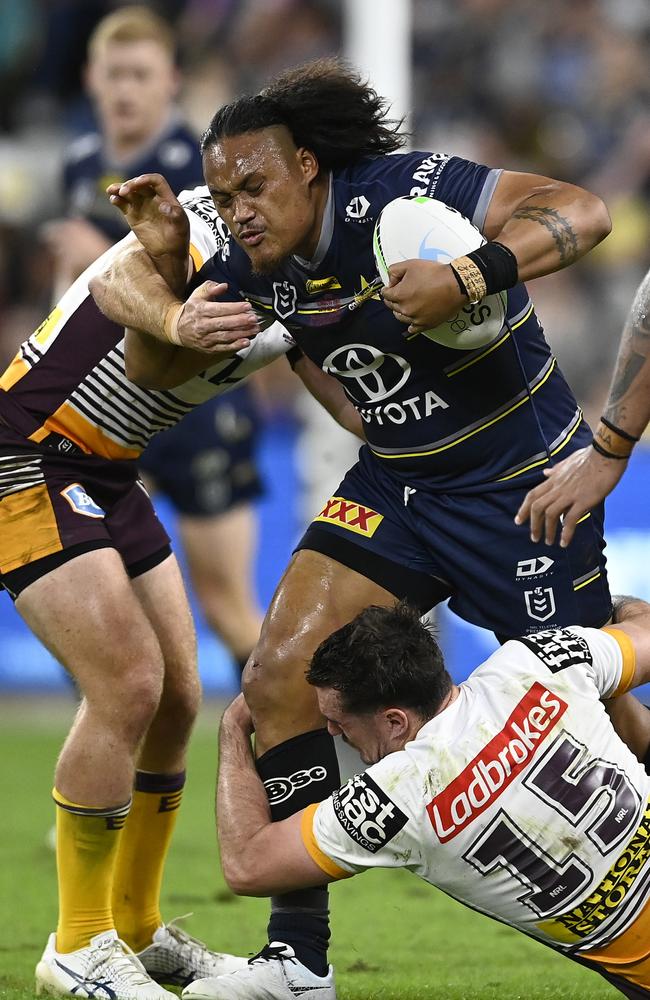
(54, 507)
(426, 547)
(206, 464)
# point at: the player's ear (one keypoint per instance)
(308, 164)
(398, 723)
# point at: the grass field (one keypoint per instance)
(394, 938)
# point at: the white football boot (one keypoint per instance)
(106, 969)
(176, 959)
(274, 974)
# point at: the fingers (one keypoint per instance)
(211, 289)
(571, 519)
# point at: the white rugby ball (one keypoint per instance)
(427, 229)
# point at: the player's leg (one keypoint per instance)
(167, 952)
(220, 552)
(356, 554)
(85, 612)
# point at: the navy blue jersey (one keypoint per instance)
(450, 419)
(89, 169)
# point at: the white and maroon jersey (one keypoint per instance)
(68, 378)
(519, 799)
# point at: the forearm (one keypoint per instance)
(242, 805)
(330, 395)
(628, 403)
(553, 227)
(133, 293)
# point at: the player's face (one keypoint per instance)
(133, 85)
(263, 188)
(367, 733)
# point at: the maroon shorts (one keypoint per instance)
(53, 507)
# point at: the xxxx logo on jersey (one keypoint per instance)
(353, 516)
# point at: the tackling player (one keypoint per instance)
(206, 465)
(511, 792)
(300, 173)
(91, 572)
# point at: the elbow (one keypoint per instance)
(240, 878)
(600, 219)
(98, 288)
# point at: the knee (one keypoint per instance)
(135, 698)
(274, 677)
(181, 695)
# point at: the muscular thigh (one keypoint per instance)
(86, 613)
(316, 596)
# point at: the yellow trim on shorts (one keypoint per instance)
(28, 528)
(307, 832)
(629, 659)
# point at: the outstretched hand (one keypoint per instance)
(572, 488)
(154, 213)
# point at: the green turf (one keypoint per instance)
(394, 938)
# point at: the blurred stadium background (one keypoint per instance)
(557, 88)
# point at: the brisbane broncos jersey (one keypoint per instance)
(89, 168)
(518, 799)
(451, 419)
(67, 386)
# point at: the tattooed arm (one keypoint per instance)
(584, 479)
(547, 224)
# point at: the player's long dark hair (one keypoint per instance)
(326, 106)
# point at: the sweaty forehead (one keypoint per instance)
(233, 157)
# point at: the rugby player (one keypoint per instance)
(91, 572)
(511, 792)
(583, 480)
(206, 465)
(300, 173)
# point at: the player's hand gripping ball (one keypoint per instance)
(427, 229)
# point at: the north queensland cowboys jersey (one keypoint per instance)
(451, 420)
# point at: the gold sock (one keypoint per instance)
(142, 854)
(87, 839)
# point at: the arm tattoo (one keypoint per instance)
(633, 354)
(560, 229)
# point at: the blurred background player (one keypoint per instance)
(206, 465)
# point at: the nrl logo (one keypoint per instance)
(540, 603)
(285, 297)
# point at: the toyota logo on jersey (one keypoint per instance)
(377, 375)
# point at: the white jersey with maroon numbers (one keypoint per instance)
(518, 799)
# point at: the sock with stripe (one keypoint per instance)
(87, 841)
(142, 854)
